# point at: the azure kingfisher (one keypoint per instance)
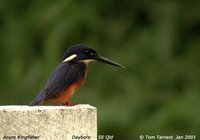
(69, 76)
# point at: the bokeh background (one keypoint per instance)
(158, 41)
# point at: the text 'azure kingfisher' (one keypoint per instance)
(69, 76)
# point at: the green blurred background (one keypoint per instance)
(158, 41)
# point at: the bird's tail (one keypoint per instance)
(38, 100)
(34, 102)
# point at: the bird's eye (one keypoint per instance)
(93, 53)
(89, 52)
(86, 51)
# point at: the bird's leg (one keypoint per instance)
(68, 103)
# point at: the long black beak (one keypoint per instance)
(108, 61)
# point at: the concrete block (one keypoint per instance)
(48, 122)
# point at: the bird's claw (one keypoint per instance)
(68, 103)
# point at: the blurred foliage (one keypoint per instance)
(158, 41)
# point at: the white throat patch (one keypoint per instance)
(71, 57)
(87, 61)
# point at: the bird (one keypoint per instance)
(69, 76)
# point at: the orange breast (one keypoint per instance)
(68, 93)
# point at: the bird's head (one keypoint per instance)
(82, 53)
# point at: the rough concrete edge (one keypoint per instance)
(26, 107)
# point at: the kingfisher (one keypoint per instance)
(69, 76)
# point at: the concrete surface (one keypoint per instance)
(48, 122)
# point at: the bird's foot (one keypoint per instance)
(68, 103)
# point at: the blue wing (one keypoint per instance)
(65, 75)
